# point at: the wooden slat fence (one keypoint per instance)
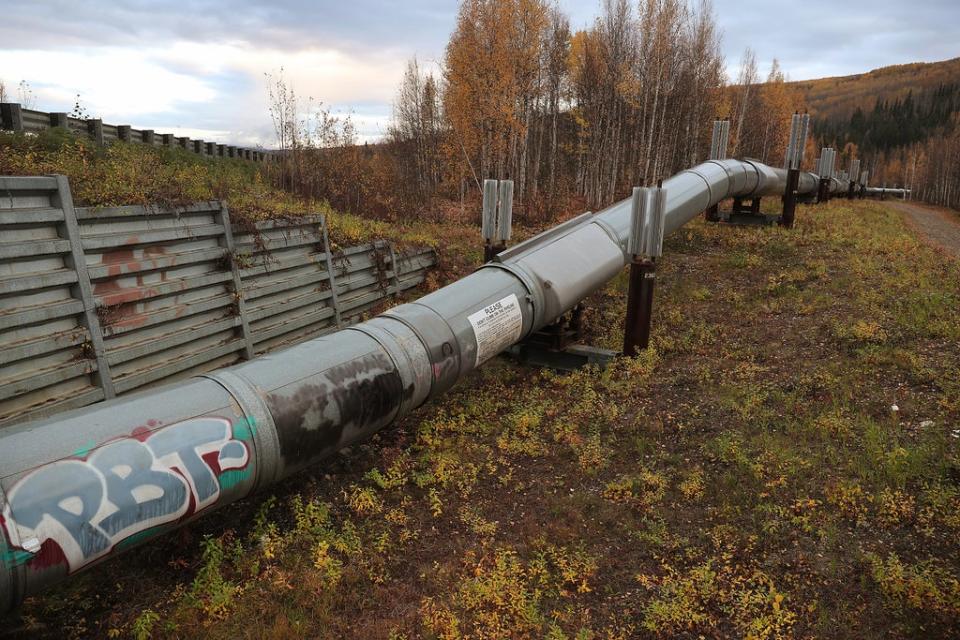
(99, 302)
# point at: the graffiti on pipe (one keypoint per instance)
(76, 510)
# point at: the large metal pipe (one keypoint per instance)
(879, 192)
(83, 486)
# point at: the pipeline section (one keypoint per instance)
(881, 192)
(83, 486)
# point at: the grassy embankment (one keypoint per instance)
(124, 174)
(748, 477)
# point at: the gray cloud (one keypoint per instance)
(811, 39)
(817, 38)
(354, 25)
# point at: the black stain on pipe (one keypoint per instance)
(349, 400)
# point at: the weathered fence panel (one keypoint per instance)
(46, 348)
(100, 301)
(286, 281)
(163, 289)
(13, 117)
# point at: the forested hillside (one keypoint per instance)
(835, 99)
(901, 120)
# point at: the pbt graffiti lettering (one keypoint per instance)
(86, 506)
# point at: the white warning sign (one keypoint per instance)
(496, 327)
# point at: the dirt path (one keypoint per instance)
(940, 227)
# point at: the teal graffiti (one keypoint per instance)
(14, 557)
(119, 493)
(233, 477)
(245, 429)
(85, 450)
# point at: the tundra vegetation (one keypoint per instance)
(782, 463)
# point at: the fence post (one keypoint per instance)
(224, 219)
(198, 147)
(59, 119)
(333, 280)
(123, 132)
(12, 116)
(396, 269)
(148, 136)
(95, 130)
(77, 261)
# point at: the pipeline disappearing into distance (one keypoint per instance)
(82, 486)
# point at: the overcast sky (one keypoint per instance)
(199, 71)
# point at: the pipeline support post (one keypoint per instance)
(718, 151)
(488, 223)
(798, 140)
(825, 171)
(497, 216)
(790, 199)
(648, 209)
(636, 333)
(504, 215)
(853, 178)
(823, 190)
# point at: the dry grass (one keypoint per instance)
(748, 477)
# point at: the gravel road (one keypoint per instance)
(939, 226)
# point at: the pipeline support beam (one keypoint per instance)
(788, 213)
(636, 334)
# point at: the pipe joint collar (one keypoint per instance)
(438, 339)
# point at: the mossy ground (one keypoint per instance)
(783, 463)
